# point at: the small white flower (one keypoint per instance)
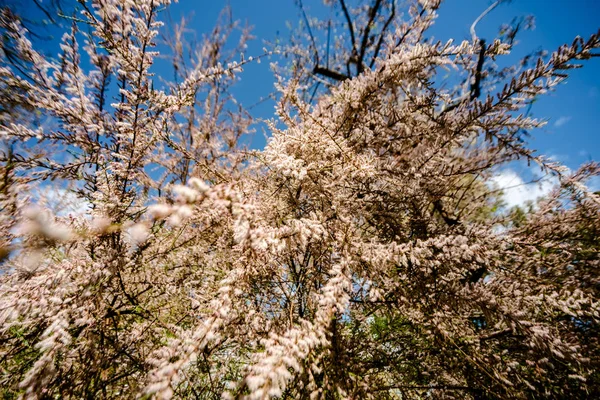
(160, 211)
(185, 194)
(138, 234)
(199, 185)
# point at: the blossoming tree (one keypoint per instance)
(357, 256)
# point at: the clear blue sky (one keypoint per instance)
(573, 132)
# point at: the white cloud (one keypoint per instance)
(561, 121)
(516, 191)
(61, 202)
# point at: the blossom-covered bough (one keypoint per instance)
(359, 255)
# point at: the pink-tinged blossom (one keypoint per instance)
(359, 255)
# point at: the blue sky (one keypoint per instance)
(573, 110)
(572, 134)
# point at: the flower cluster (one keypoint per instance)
(359, 255)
